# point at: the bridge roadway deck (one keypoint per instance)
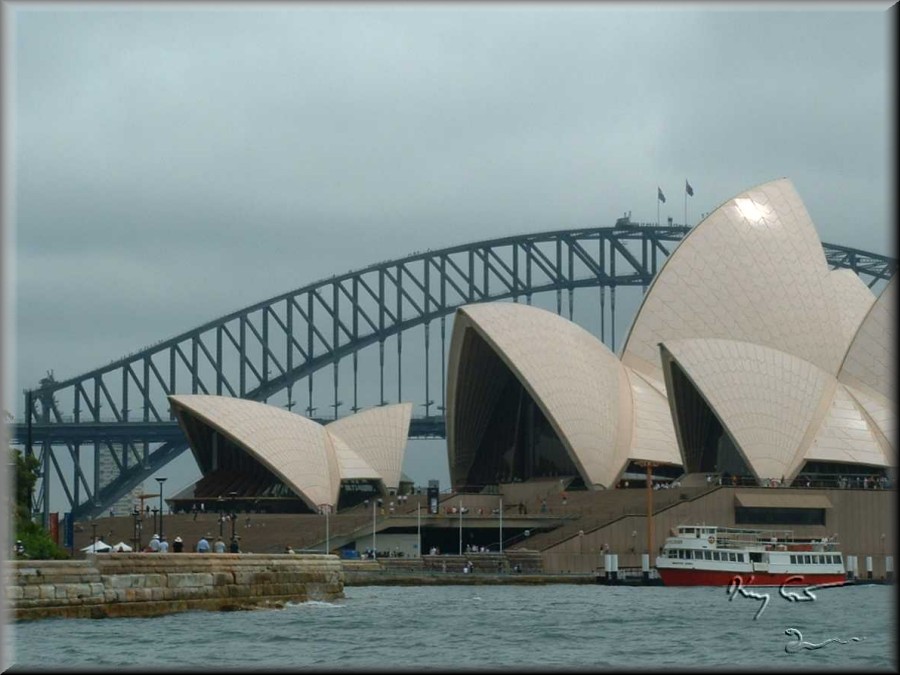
(156, 432)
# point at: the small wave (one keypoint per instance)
(312, 604)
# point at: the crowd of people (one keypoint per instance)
(161, 545)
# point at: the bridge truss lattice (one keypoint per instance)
(270, 350)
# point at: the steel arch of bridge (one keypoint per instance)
(270, 346)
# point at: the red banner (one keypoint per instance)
(54, 527)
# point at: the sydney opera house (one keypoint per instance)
(749, 358)
(272, 460)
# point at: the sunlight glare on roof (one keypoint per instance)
(750, 211)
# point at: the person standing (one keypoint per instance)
(235, 547)
(219, 546)
(203, 545)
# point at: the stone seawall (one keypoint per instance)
(140, 584)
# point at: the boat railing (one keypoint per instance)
(740, 538)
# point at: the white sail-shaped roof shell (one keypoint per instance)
(870, 367)
(846, 435)
(298, 450)
(351, 465)
(853, 299)
(870, 362)
(780, 411)
(796, 360)
(767, 400)
(378, 436)
(653, 435)
(576, 380)
(752, 271)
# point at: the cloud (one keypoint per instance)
(176, 164)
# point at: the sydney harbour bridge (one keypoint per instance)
(336, 345)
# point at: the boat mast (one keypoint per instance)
(649, 466)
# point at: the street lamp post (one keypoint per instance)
(136, 540)
(501, 525)
(160, 481)
(154, 511)
(220, 502)
(374, 554)
(460, 526)
(233, 514)
(649, 466)
(94, 537)
(419, 527)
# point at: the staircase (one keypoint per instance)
(598, 509)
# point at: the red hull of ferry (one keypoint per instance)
(685, 577)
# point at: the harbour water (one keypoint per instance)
(490, 627)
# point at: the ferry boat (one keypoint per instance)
(706, 555)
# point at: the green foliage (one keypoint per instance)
(25, 477)
(37, 541)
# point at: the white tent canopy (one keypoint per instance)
(97, 547)
(122, 547)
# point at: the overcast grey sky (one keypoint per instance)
(175, 164)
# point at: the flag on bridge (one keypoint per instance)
(660, 195)
(688, 188)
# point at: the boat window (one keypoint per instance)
(807, 560)
(732, 557)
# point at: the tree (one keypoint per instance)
(37, 541)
